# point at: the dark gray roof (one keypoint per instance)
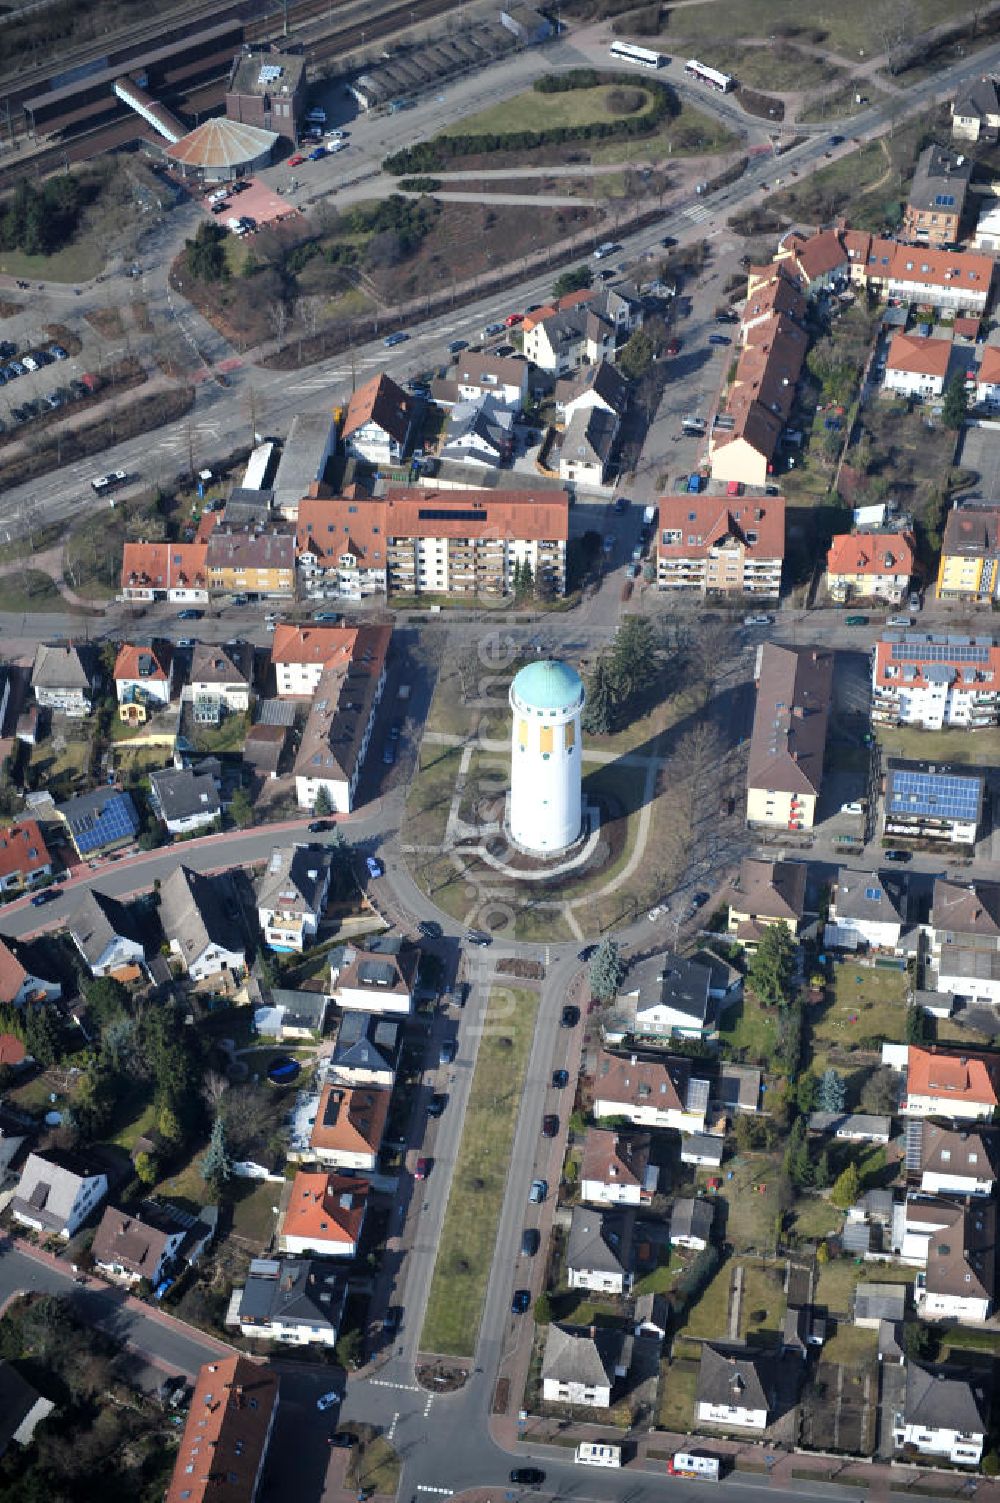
(182, 792)
(302, 1009)
(599, 1243)
(245, 507)
(941, 1400)
(98, 920)
(590, 436)
(366, 1041)
(293, 1291)
(981, 98)
(671, 981)
(940, 179)
(198, 910)
(229, 663)
(585, 1355)
(850, 1124)
(878, 896)
(692, 1218)
(738, 1086)
(880, 1302)
(296, 877)
(61, 666)
(736, 1376)
(704, 1144)
(17, 1400)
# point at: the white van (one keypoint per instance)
(688, 1464)
(607, 249)
(589, 1453)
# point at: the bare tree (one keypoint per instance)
(310, 311)
(277, 317)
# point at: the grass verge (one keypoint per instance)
(468, 1237)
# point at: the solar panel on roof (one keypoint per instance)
(938, 795)
(873, 894)
(912, 651)
(697, 1096)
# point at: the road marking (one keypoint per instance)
(697, 212)
(444, 1492)
(427, 1406)
(402, 1387)
(392, 1428)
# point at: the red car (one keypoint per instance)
(512, 319)
(296, 160)
(674, 347)
(423, 1169)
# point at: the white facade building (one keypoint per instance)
(545, 808)
(935, 681)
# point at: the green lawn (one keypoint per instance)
(62, 769)
(838, 1279)
(677, 1393)
(533, 110)
(429, 799)
(977, 747)
(777, 69)
(762, 1293)
(228, 736)
(29, 590)
(690, 133)
(747, 1032)
(468, 1237)
(253, 1210)
(816, 1218)
(867, 1002)
(708, 1318)
(751, 1200)
(852, 1346)
(373, 1463)
(849, 25)
(840, 104)
(77, 263)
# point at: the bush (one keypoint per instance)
(562, 83)
(421, 184)
(622, 101)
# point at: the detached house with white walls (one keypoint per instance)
(650, 1094)
(379, 423)
(869, 565)
(599, 1250)
(953, 1243)
(379, 978)
(943, 1415)
(292, 897)
(963, 958)
(581, 1364)
(867, 909)
(56, 1193)
(667, 995)
(615, 1170)
(204, 924)
(735, 1387)
(935, 681)
(953, 1161)
(941, 1084)
(325, 1214)
(917, 367)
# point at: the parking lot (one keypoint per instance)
(979, 450)
(38, 376)
(255, 201)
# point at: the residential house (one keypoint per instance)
(936, 200)
(340, 547)
(702, 1148)
(341, 718)
(560, 341)
(779, 292)
(367, 1050)
(203, 922)
(650, 1094)
(721, 545)
(666, 996)
(735, 1387)
(301, 654)
(379, 978)
(736, 1089)
(349, 1127)
(480, 431)
(975, 111)
(587, 445)
(766, 893)
(268, 90)
(942, 1084)
(21, 1408)
(101, 821)
(652, 1316)
(292, 895)
(309, 447)
(852, 1127)
(470, 542)
(24, 857)
(63, 679)
(621, 305)
(988, 374)
(56, 1193)
(227, 1433)
(580, 1365)
(221, 677)
(130, 1246)
(260, 564)
(952, 1161)
(932, 681)
(874, 1303)
(954, 1245)
(263, 749)
(964, 941)
(868, 908)
(19, 986)
(801, 1329)
(599, 1251)
(288, 1014)
(165, 571)
(505, 378)
(925, 801)
(944, 1415)
(745, 438)
(788, 740)
(186, 799)
(107, 934)
(616, 1170)
(951, 281)
(917, 367)
(13, 1054)
(599, 386)
(325, 1214)
(986, 237)
(970, 554)
(144, 679)
(870, 565)
(379, 423)
(813, 262)
(297, 1301)
(691, 1223)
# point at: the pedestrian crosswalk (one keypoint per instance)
(442, 1492)
(697, 212)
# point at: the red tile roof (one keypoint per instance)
(226, 1434)
(950, 1077)
(871, 553)
(313, 644)
(12, 973)
(704, 521)
(164, 566)
(350, 1119)
(963, 675)
(968, 270)
(22, 849)
(989, 366)
(156, 658)
(924, 357)
(380, 401)
(328, 528)
(326, 1208)
(413, 511)
(12, 1051)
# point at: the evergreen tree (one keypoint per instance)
(515, 579)
(821, 1173)
(598, 717)
(805, 1091)
(847, 1188)
(769, 974)
(146, 1168)
(918, 1026)
(832, 1095)
(607, 971)
(241, 808)
(633, 657)
(956, 403)
(215, 1165)
(43, 1035)
(525, 581)
(322, 804)
(797, 1165)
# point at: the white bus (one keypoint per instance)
(711, 76)
(591, 1453)
(628, 52)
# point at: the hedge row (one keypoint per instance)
(433, 156)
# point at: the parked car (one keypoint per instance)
(448, 1051)
(316, 153)
(389, 753)
(327, 1400)
(429, 929)
(550, 1125)
(391, 340)
(898, 855)
(317, 826)
(342, 1439)
(673, 347)
(190, 615)
(900, 621)
(854, 807)
(539, 1190)
(587, 952)
(456, 345)
(492, 329)
(512, 319)
(296, 160)
(327, 617)
(528, 1476)
(521, 1301)
(57, 352)
(479, 938)
(41, 898)
(570, 1017)
(531, 1240)
(437, 1104)
(375, 867)
(423, 1168)
(760, 620)
(560, 1079)
(856, 621)
(719, 339)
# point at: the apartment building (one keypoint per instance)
(251, 563)
(721, 545)
(788, 740)
(933, 681)
(870, 565)
(340, 547)
(341, 718)
(165, 571)
(970, 553)
(916, 366)
(744, 440)
(469, 542)
(929, 802)
(936, 200)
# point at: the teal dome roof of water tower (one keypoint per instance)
(548, 685)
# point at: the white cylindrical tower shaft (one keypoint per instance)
(545, 809)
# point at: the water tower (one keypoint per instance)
(544, 812)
